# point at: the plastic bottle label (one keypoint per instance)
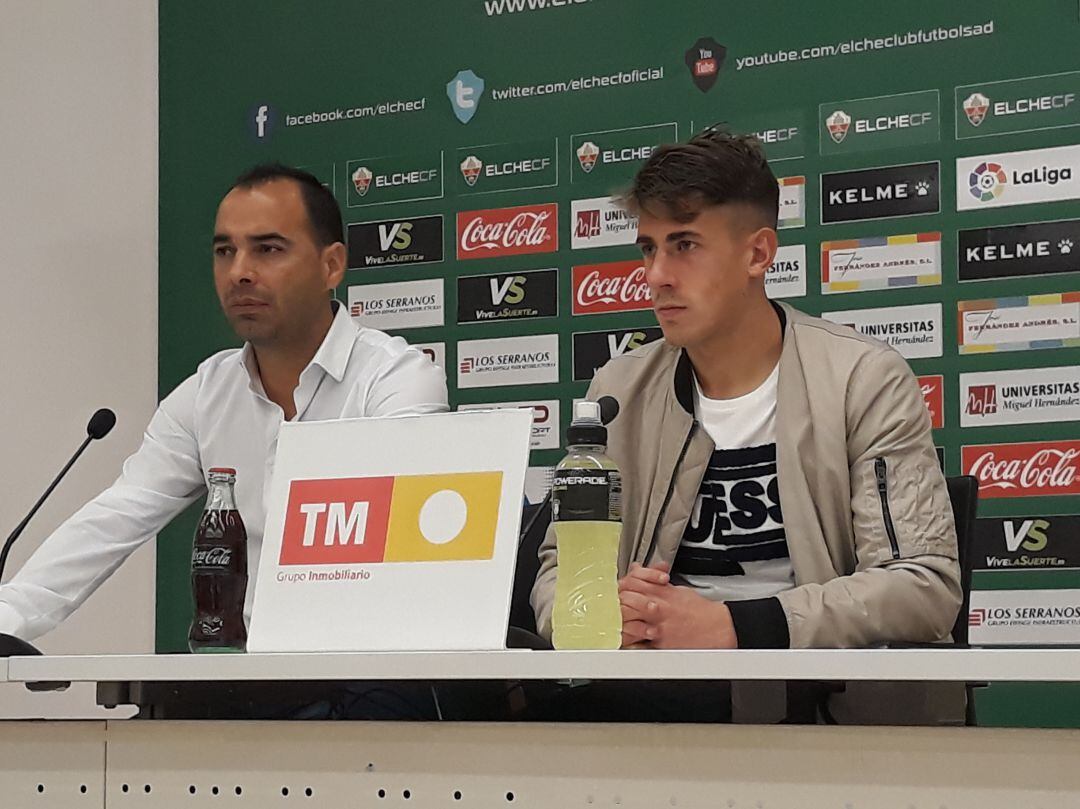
(587, 494)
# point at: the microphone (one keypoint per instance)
(98, 427)
(609, 409)
(10, 646)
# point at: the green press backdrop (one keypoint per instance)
(429, 118)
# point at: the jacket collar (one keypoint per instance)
(684, 370)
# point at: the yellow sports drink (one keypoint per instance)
(586, 509)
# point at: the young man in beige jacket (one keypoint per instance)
(780, 484)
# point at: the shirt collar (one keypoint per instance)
(332, 356)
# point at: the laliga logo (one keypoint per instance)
(408, 518)
(838, 124)
(587, 154)
(976, 106)
(987, 182)
(362, 178)
(471, 167)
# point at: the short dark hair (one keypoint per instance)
(714, 167)
(322, 208)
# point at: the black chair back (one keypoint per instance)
(534, 521)
(964, 496)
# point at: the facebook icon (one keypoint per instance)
(261, 121)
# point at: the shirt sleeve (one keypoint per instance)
(407, 384)
(162, 478)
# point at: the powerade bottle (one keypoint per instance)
(586, 509)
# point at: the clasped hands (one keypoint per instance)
(657, 614)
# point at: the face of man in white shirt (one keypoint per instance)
(272, 276)
(706, 275)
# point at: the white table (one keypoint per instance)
(957, 665)
(424, 765)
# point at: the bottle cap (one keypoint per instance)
(586, 412)
(586, 427)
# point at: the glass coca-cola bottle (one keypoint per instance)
(219, 571)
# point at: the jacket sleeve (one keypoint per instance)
(906, 584)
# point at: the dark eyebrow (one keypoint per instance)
(679, 235)
(221, 238)
(268, 237)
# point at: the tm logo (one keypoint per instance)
(261, 121)
(464, 92)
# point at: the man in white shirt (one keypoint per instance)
(279, 253)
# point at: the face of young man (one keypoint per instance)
(705, 275)
(272, 278)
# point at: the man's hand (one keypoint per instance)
(657, 614)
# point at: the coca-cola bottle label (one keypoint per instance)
(586, 494)
(211, 559)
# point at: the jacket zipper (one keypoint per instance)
(880, 472)
(670, 491)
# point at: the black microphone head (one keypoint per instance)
(609, 409)
(100, 423)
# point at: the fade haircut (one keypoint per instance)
(322, 209)
(714, 167)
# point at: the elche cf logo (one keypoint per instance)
(987, 182)
(838, 124)
(587, 154)
(362, 178)
(471, 167)
(704, 60)
(976, 106)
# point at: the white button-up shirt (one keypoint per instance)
(220, 416)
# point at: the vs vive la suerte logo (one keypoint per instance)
(396, 241)
(403, 518)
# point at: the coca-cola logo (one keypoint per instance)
(933, 392)
(508, 231)
(618, 286)
(1025, 470)
(211, 557)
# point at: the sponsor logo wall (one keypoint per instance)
(928, 198)
(542, 244)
